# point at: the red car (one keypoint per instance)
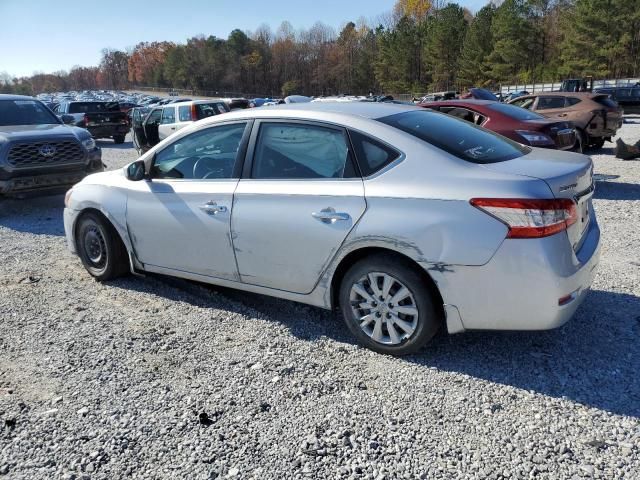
(516, 123)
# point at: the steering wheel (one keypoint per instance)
(203, 169)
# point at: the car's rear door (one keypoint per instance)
(179, 221)
(167, 122)
(299, 198)
(151, 125)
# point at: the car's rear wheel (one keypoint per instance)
(118, 139)
(388, 306)
(100, 248)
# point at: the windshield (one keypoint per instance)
(516, 112)
(25, 112)
(457, 137)
(93, 107)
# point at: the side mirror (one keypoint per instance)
(67, 119)
(136, 171)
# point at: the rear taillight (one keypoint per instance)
(85, 119)
(194, 112)
(530, 218)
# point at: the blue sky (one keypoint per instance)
(50, 35)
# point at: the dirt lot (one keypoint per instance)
(153, 379)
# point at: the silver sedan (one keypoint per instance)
(405, 220)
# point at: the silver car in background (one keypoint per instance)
(404, 219)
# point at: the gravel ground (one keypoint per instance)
(149, 378)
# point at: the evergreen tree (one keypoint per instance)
(477, 46)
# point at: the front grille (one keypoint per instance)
(42, 154)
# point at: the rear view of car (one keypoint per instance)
(518, 124)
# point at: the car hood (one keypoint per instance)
(110, 178)
(28, 132)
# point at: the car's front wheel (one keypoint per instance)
(388, 306)
(100, 248)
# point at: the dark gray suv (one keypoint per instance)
(38, 151)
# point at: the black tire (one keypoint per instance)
(118, 139)
(100, 248)
(596, 143)
(581, 142)
(428, 319)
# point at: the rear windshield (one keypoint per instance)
(605, 101)
(204, 110)
(457, 137)
(513, 111)
(93, 107)
(25, 112)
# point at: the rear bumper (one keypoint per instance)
(521, 286)
(108, 130)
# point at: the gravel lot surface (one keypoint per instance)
(145, 378)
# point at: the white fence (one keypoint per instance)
(551, 87)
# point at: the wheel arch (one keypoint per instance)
(360, 253)
(110, 220)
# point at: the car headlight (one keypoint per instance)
(89, 144)
(67, 197)
(535, 138)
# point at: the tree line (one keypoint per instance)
(420, 46)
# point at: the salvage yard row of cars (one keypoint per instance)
(405, 218)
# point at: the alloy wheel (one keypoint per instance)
(384, 308)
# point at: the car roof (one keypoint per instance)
(561, 94)
(196, 102)
(459, 101)
(5, 96)
(369, 110)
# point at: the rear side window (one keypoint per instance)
(605, 101)
(545, 103)
(297, 151)
(184, 113)
(204, 110)
(457, 137)
(371, 154)
(573, 101)
(168, 115)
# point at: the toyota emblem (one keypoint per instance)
(47, 150)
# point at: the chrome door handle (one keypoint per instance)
(212, 208)
(329, 215)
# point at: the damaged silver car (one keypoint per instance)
(404, 219)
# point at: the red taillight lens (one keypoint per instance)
(194, 112)
(86, 119)
(530, 218)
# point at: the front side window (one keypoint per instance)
(459, 138)
(298, 151)
(524, 102)
(154, 116)
(207, 154)
(168, 115)
(546, 103)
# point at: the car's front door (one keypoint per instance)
(151, 124)
(295, 205)
(551, 107)
(180, 218)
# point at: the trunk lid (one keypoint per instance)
(568, 175)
